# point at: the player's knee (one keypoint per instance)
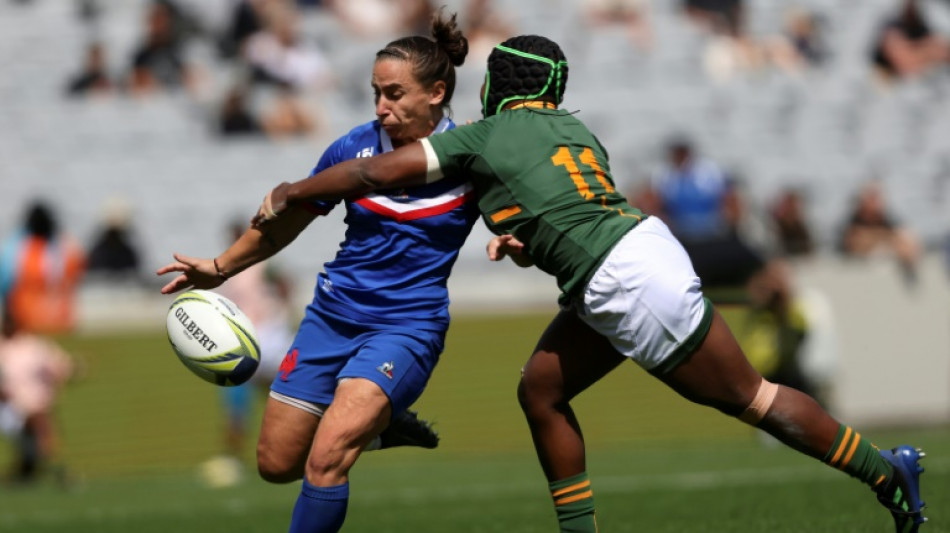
(537, 397)
(274, 468)
(756, 410)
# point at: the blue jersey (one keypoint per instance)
(400, 244)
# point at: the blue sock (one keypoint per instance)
(320, 509)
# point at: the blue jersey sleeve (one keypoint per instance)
(331, 156)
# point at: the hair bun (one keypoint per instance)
(449, 38)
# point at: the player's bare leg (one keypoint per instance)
(569, 358)
(287, 434)
(359, 412)
(719, 375)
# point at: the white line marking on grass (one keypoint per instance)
(698, 480)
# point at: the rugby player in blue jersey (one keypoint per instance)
(373, 334)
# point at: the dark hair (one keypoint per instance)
(432, 59)
(40, 222)
(524, 67)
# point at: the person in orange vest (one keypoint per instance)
(40, 270)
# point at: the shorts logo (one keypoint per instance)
(288, 364)
(386, 369)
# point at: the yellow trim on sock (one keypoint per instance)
(571, 499)
(854, 446)
(572, 488)
(880, 480)
(841, 447)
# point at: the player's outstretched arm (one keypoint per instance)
(404, 167)
(253, 246)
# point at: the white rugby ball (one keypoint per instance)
(213, 338)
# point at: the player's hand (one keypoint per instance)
(274, 203)
(503, 245)
(195, 274)
(507, 245)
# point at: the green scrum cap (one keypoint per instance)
(527, 67)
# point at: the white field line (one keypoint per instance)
(698, 480)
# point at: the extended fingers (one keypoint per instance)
(494, 249)
(180, 282)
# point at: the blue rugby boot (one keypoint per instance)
(901, 495)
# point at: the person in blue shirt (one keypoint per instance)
(373, 334)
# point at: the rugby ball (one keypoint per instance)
(213, 338)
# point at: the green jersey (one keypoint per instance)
(543, 177)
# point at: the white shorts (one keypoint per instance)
(646, 299)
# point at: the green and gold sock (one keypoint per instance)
(859, 458)
(574, 503)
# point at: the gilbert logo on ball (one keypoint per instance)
(213, 337)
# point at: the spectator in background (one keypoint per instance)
(773, 329)
(158, 62)
(33, 370)
(93, 79)
(245, 20)
(371, 18)
(871, 230)
(278, 55)
(113, 255)
(286, 116)
(730, 51)
(632, 15)
(40, 269)
(801, 44)
(703, 211)
(691, 190)
(485, 27)
(235, 117)
(792, 230)
(906, 47)
(712, 14)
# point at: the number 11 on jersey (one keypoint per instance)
(565, 158)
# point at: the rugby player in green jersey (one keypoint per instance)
(629, 290)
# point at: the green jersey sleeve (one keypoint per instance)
(458, 148)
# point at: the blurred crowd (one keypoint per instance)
(276, 76)
(278, 72)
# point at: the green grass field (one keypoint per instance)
(137, 425)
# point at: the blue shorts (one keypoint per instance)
(329, 347)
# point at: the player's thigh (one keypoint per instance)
(286, 437)
(717, 373)
(360, 411)
(569, 357)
